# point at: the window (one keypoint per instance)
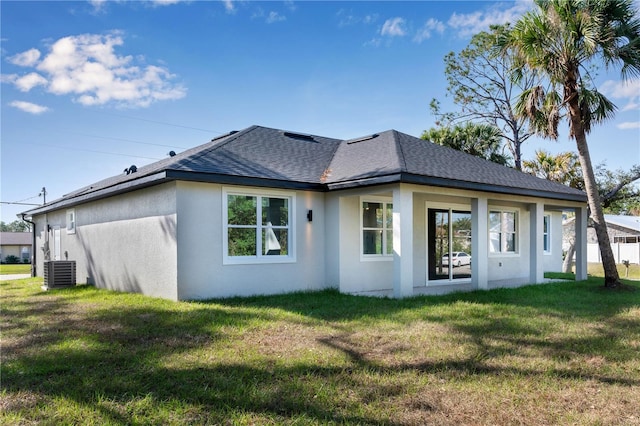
(627, 239)
(71, 221)
(502, 231)
(546, 231)
(377, 228)
(258, 227)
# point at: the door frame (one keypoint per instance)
(450, 207)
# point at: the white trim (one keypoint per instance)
(259, 258)
(450, 207)
(73, 221)
(518, 231)
(384, 257)
(548, 250)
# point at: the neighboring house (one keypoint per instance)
(621, 229)
(16, 244)
(264, 211)
(624, 235)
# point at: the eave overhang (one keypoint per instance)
(455, 184)
(175, 175)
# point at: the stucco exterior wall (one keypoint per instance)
(202, 273)
(168, 241)
(125, 243)
(504, 266)
(553, 259)
(357, 274)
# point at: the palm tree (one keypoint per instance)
(560, 41)
(563, 168)
(479, 139)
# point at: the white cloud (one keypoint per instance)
(432, 25)
(29, 81)
(468, 24)
(25, 59)
(629, 125)
(275, 17)
(87, 67)
(228, 6)
(29, 107)
(621, 89)
(8, 78)
(625, 90)
(393, 27)
(165, 2)
(346, 19)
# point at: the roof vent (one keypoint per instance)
(131, 169)
(299, 136)
(233, 132)
(172, 153)
(362, 139)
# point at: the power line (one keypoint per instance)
(164, 123)
(19, 204)
(92, 150)
(118, 139)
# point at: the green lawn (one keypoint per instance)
(596, 270)
(550, 354)
(15, 269)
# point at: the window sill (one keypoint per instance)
(249, 260)
(376, 258)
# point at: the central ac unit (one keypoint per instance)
(59, 273)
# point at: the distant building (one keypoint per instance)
(16, 244)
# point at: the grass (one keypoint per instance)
(15, 269)
(551, 354)
(596, 270)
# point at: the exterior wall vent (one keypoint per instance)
(59, 274)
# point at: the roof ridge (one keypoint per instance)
(216, 143)
(401, 157)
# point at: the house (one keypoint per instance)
(16, 244)
(621, 229)
(264, 211)
(624, 236)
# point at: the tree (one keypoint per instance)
(15, 226)
(481, 140)
(618, 194)
(559, 41)
(563, 168)
(479, 80)
(615, 188)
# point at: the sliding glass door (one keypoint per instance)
(448, 244)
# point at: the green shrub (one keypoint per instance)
(11, 259)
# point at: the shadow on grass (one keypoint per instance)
(118, 351)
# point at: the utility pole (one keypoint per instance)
(43, 194)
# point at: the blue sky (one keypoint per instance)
(91, 87)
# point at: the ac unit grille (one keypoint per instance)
(59, 273)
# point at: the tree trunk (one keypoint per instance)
(611, 278)
(567, 264)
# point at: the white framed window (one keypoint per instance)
(376, 228)
(546, 232)
(71, 221)
(258, 226)
(503, 226)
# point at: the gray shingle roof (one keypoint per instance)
(420, 161)
(15, 238)
(270, 157)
